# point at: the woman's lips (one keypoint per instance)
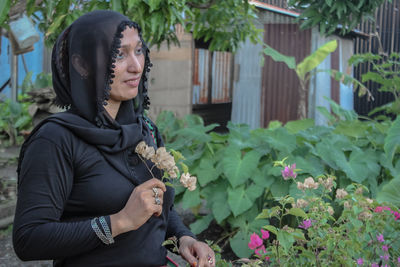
(133, 82)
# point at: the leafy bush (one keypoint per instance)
(360, 232)
(14, 118)
(386, 73)
(236, 171)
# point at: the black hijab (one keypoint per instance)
(82, 64)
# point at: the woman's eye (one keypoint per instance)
(120, 56)
(139, 51)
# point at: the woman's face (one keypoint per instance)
(128, 67)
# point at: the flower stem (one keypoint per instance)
(145, 163)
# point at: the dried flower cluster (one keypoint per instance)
(163, 160)
(327, 183)
(188, 181)
(300, 203)
(341, 193)
(309, 183)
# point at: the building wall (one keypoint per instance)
(170, 80)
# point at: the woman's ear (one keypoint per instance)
(80, 65)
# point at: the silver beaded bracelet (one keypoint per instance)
(106, 239)
(106, 230)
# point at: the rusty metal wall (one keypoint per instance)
(279, 96)
(200, 76)
(221, 79)
(387, 25)
(221, 89)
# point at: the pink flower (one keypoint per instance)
(385, 257)
(288, 172)
(380, 238)
(386, 208)
(396, 215)
(306, 224)
(385, 248)
(398, 259)
(262, 248)
(378, 209)
(255, 241)
(360, 261)
(374, 264)
(267, 258)
(265, 234)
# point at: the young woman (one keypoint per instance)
(84, 197)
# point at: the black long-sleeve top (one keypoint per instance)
(64, 182)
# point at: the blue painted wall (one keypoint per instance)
(33, 59)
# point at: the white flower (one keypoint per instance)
(341, 193)
(300, 203)
(347, 205)
(188, 181)
(173, 172)
(163, 159)
(330, 210)
(310, 183)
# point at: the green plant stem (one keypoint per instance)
(226, 236)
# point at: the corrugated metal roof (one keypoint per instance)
(274, 8)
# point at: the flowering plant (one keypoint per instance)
(164, 161)
(328, 226)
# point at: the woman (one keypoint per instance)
(84, 197)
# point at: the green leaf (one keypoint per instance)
(236, 169)
(268, 213)
(22, 122)
(392, 140)
(133, 4)
(116, 5)
(216, 195)
(55, 25)
(201, 224)
(280, 188)
(390, 192)
(191, 199)
(239, 200)
(239, 243)
(154, 4)
(271, 228)
(206, 172)
(297, 212)
(294, 127)
(316, 58)
(285, 239)
(278, 57)
(4, 8)
(281, 140)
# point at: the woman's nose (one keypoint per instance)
(135, 64)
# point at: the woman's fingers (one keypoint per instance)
(153, 183)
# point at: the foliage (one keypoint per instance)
(307, 68)
(236, 172)
(14, 118)
(158, 19)
(386, 73)
(331, 15)
(42, 80)
(360, 232)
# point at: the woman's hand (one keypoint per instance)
(195, 252)
(140, 206)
